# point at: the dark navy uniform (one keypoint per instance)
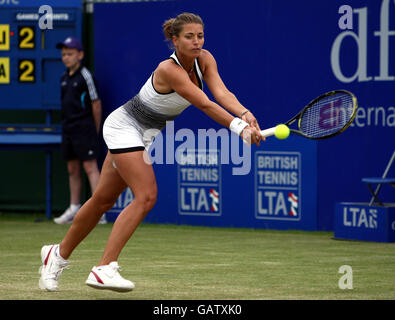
(79, 135)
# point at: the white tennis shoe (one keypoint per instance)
(52, 267)
(108, 277)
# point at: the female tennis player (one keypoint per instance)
(175, 84)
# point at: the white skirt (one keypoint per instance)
(122, 133)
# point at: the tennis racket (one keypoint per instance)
(324, 117)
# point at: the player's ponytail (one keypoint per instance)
(168, 28)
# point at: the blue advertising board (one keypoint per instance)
(276, 57)
(199, 183)
(277, 189)
(278, 179)
(359, 221)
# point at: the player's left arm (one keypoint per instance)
(221, 93)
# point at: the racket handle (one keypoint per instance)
(268, 132)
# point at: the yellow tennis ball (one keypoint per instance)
(281, 131)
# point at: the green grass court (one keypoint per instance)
(182, 262)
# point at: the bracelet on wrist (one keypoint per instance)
(244, 112)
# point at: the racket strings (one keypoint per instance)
(327, 116)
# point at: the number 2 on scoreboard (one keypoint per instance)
(26, 71)
(26, 37)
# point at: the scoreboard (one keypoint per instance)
(30, 64)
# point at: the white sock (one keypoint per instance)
(57, 253)
(75, 207)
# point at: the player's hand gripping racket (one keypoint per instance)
(324, 117)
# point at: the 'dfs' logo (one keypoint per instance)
(359, 42)
(277, 180)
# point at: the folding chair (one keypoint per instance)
(380, 182)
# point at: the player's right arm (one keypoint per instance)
(177, 79)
